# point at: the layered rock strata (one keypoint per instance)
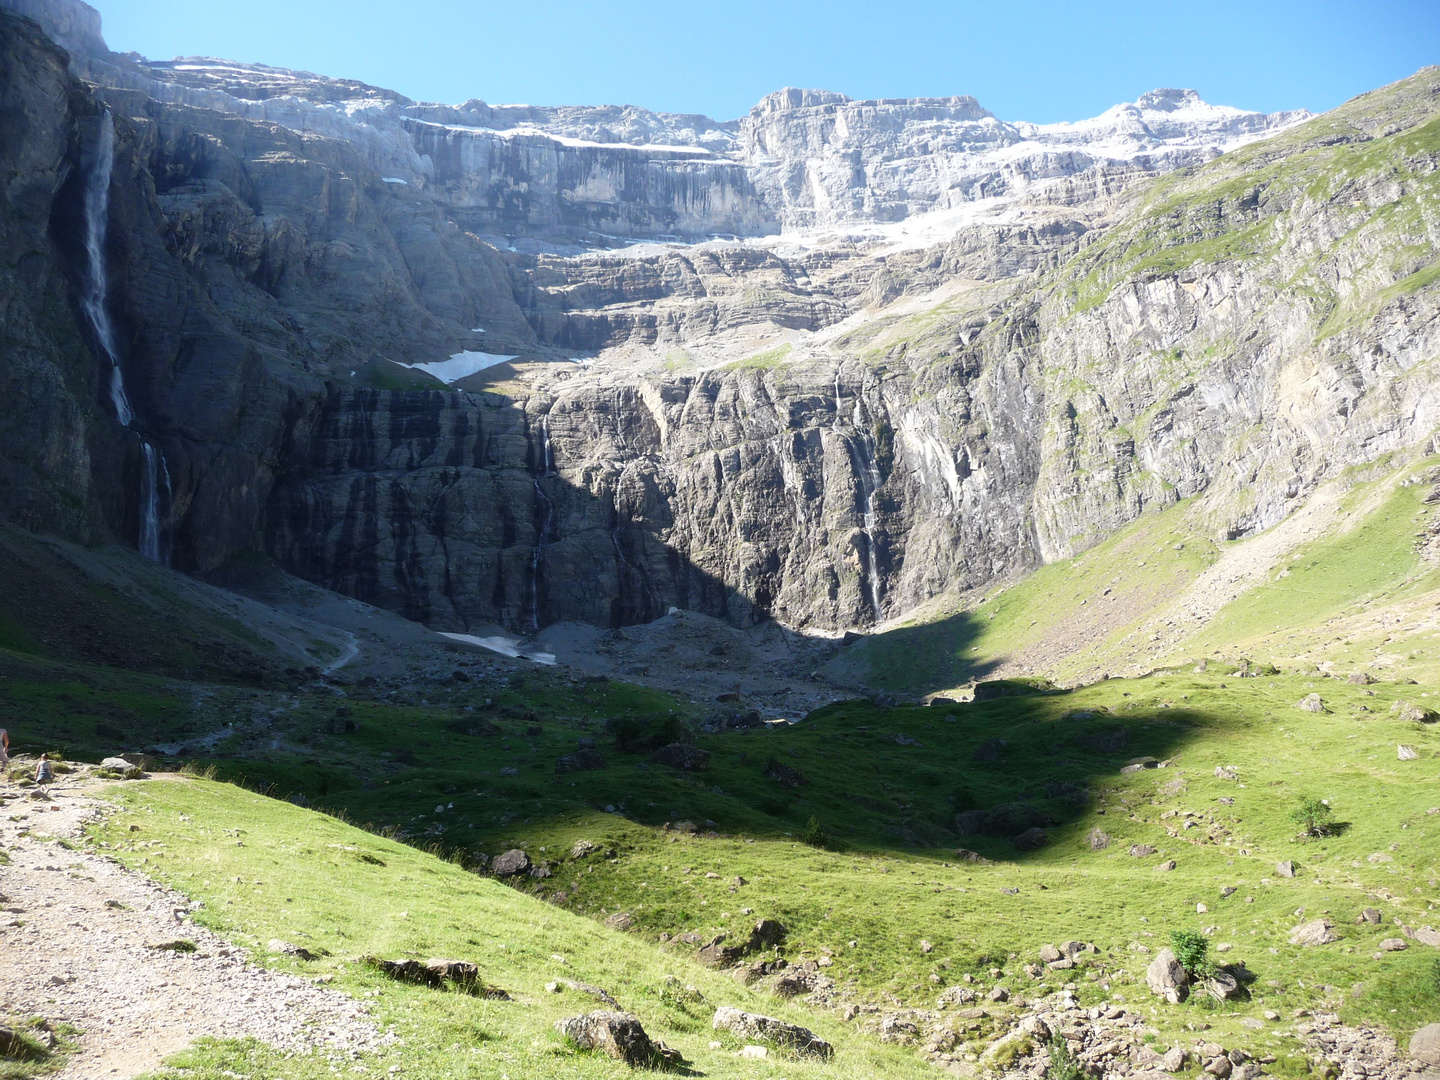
(824, 436)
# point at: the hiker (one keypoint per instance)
(4, 754)
(44, 772)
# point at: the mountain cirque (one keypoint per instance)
(977, 345)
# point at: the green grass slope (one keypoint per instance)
(310, 879)
(891, 885)
(1357, 593)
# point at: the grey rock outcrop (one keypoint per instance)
(1166, 977)
(510, 863)
(798, 1040)
(616, 1034)
(1425, 1044)
(1315, 932)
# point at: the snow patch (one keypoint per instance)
(505, 646)
(461, 365)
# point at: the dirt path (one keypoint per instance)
(77, 937)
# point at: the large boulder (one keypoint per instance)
(1425, 1044)
(767, 934)
(617, 1034)
(1166, 977)
(510, 863)
(1031, 840)
(682, 756)
(768, 1029)
(1315, 932)
(970, 822)
(716, 954)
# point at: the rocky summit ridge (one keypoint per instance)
(801, 159)
(403, 349)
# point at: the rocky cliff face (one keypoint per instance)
(824, 159)
(598, 175)
(828, 435)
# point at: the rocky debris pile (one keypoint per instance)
(1066, 955)
(1363, 1052)
(462, 976)
(767, 1029)
(618, 1035)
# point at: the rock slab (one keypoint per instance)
(768, 1029)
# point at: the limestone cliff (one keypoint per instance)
(824, 434)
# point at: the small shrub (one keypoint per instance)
(1315, 816)
(1007, 1051)
(815, 834)
(638, 733)
(1192, 950)
(1063, 1065)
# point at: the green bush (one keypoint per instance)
(962, 799)
(1192, 950)
(815, 834)
(1315, 816)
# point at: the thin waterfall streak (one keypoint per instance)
(164, 509)
(547, 454)
(95, 304)
(150, 504)
(95, 301)
(537, 555)
(868, 473)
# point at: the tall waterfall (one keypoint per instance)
(97, 223)
(94, 303)
(547, 468)
(862, 452)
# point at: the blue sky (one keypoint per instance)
(1023, 59)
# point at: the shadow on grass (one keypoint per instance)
(983, 776)
(925, 657)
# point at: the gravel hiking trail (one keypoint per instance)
(78, 945)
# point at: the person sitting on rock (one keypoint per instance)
(44, 771)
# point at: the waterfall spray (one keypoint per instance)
(94, 303)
